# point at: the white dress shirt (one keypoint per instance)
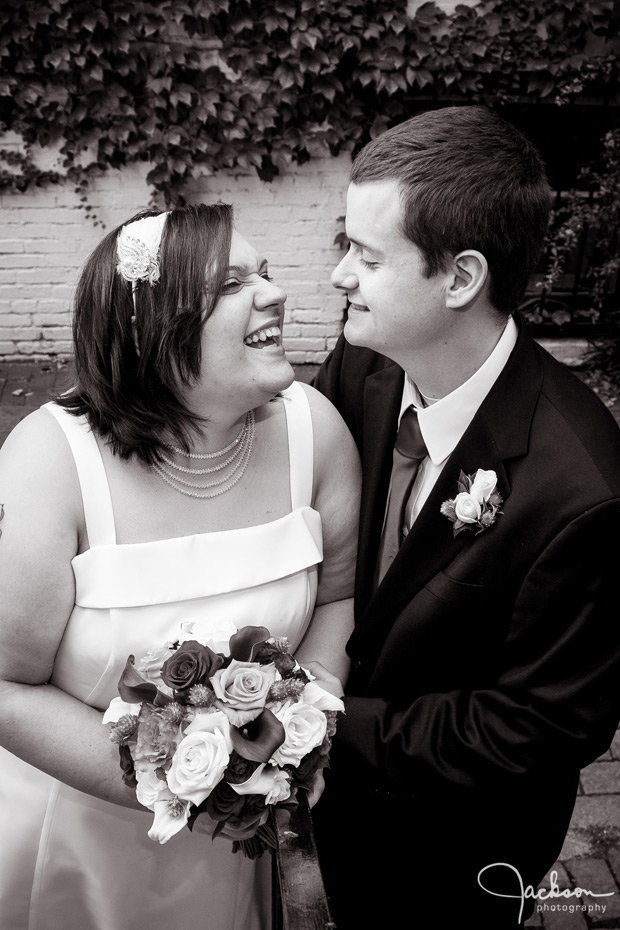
(444, 421)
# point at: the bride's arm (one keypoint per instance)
(41, 531)
(337, 482)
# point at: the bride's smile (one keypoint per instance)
(266, 336)
(248, 315)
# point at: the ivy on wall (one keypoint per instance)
(193, 88)
(596, 211)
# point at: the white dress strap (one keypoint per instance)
(96, 499)
(300, 444)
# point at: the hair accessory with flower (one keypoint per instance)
(477, 503)
(137, 249)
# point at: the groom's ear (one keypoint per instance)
(469, 273)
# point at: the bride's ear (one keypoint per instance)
(469, 275)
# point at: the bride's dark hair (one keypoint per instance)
(132, 360)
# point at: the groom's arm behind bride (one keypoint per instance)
(486, 650)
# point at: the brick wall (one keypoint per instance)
(45, 237)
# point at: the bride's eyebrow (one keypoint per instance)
(245, 269)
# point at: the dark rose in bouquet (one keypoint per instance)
(239, 769)
(191, 664)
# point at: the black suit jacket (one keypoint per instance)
(485, 668)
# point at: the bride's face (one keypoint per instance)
(243, 362)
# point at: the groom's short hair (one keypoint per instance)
(469, 180)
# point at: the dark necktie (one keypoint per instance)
(409, 450)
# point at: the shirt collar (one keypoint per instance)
(443, 423)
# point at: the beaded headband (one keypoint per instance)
(137, 249)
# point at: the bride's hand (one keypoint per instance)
(325, 679)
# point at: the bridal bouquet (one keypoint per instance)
(221, 724)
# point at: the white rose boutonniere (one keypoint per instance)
(477, 503)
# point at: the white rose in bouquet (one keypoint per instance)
(305, 728)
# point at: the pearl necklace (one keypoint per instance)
(214, 455)
(239, 460)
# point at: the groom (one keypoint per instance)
(486, 653)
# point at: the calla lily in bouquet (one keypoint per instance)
(222, 723)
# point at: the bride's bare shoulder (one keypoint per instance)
(37, 467)
(335, 453)
(327, 423)
(38, 432)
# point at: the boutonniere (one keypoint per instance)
(477, 503)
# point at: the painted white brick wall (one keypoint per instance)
(45, 237)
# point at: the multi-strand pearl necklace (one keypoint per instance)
(235, 465)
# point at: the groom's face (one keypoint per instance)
(393, 307)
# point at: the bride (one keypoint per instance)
(184, 477)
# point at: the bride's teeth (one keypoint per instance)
(272, 332)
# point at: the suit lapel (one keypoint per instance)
(382, 399)
(498, 432)
(431, 544)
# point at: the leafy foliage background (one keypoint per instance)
(193, 88)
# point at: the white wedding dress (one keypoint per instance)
(71, 862)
